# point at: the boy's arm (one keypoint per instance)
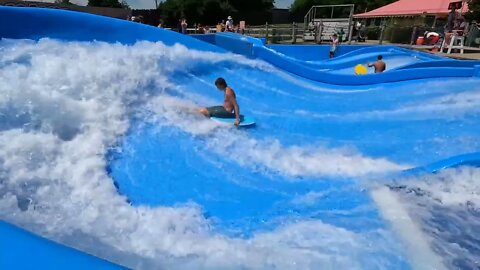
(236, 108)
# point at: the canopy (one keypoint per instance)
(410, 8)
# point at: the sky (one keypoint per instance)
(146, 4)
(283, 3)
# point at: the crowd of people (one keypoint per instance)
(227, 25)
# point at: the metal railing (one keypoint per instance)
(323, 25)
(276, 33)
(295, 32)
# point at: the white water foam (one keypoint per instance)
(65, 104)
(446, 209)
(310, 160)
(449, 106)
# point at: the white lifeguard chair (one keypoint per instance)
(453, 41)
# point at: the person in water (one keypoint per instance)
(230, 107)
(333, 45)
(379, 65)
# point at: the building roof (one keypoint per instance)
(409, 8)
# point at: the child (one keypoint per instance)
(334, 45)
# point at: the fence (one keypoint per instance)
(293, 33)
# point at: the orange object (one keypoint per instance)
(420, 40)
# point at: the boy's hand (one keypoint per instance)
(237, 122)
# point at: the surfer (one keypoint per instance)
(230, 107)
(379, 65)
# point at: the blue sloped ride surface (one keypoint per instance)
(255, 49)
(294, 190)
(20, 249)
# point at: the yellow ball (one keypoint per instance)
(361, 69)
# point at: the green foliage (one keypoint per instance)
(249, 5)
(208, 11)
(302, 6)
(64, 2)
(474, 10)
(107, 3)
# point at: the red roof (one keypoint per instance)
(409, 7)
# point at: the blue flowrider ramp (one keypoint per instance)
(23, 250)
(102, 149)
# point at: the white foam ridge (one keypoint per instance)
(63, 105)
(310, 160)
(447, 106)
(443, 209)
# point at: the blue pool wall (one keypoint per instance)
(23, 250)
(254, 48)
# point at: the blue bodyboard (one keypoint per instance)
(246, 121)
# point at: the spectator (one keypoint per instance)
(229, 25)
(460, 26)
(222, 26)
(200, 29)
(341, 34)
(334, 44)
(311, 26)
(450, 20)
(179, 26)
(431, 37)
(183, 25)
(160, 23)
(206, 29)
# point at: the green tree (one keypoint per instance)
(64, 2)
(302, 6)
(208, 11)
(249, 5)
(473, 10)
(107, 3)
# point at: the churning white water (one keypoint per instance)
(63, 105)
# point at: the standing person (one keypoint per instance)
(229, 24)
(333, 45)
(184, 25)
(200, 29)
(179, 25)
(451, 20)
(230, 108)
(379, 65)
(160, 23)
(341, 34)
(222, 26)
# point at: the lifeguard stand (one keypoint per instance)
(456, 39)
(453, 41)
